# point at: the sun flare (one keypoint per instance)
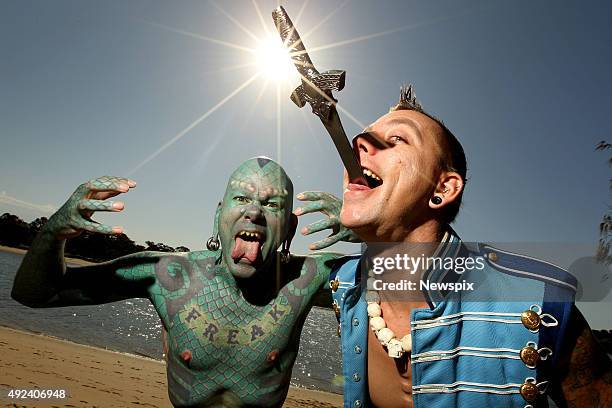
(273, 60)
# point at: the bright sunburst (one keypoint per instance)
(273, 60)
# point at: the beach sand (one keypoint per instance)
(95, 377)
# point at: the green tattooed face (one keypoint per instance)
(255, 215)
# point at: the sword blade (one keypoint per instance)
(316, 89)
(292, 41)
(334, 127)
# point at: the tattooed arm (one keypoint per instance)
(330, 206)
(585, 370)
(43, 280)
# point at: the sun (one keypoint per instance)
(273, 60)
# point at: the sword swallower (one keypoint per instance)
(316, 89)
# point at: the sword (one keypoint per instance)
(316, 89)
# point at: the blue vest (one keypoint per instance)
(466, 351)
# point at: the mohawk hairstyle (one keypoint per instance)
(455, 157)
(408, 99)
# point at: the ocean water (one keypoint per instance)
(133, 326)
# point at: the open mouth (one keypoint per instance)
(372, 178)
(248, 246)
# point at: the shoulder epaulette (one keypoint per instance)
(528, 267)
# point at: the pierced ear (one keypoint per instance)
(448, 190)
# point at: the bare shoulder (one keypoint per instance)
(183, 266)
(585, 368)
(323, 260)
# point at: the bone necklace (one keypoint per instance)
(395, 348)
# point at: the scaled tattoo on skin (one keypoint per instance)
(233, 320)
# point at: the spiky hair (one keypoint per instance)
(407, 99)
(455, 156)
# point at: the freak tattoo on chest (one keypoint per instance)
(220, 318)
(219, 343)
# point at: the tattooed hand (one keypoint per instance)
(329, 205)
(75, 215)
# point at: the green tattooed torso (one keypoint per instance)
(222, 349)
(233, 318)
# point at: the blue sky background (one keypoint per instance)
(94, 88)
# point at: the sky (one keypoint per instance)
(167, 94)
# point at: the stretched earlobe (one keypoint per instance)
(213, 243)
(285, 254)
(293, 223)
(447, 191)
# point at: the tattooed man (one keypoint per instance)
(233, 314)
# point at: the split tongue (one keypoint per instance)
(245, 249)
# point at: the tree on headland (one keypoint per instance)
(604, 250)
(15, 232)
(37, 224)
(159, 247)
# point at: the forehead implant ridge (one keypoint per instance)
(261, 176)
